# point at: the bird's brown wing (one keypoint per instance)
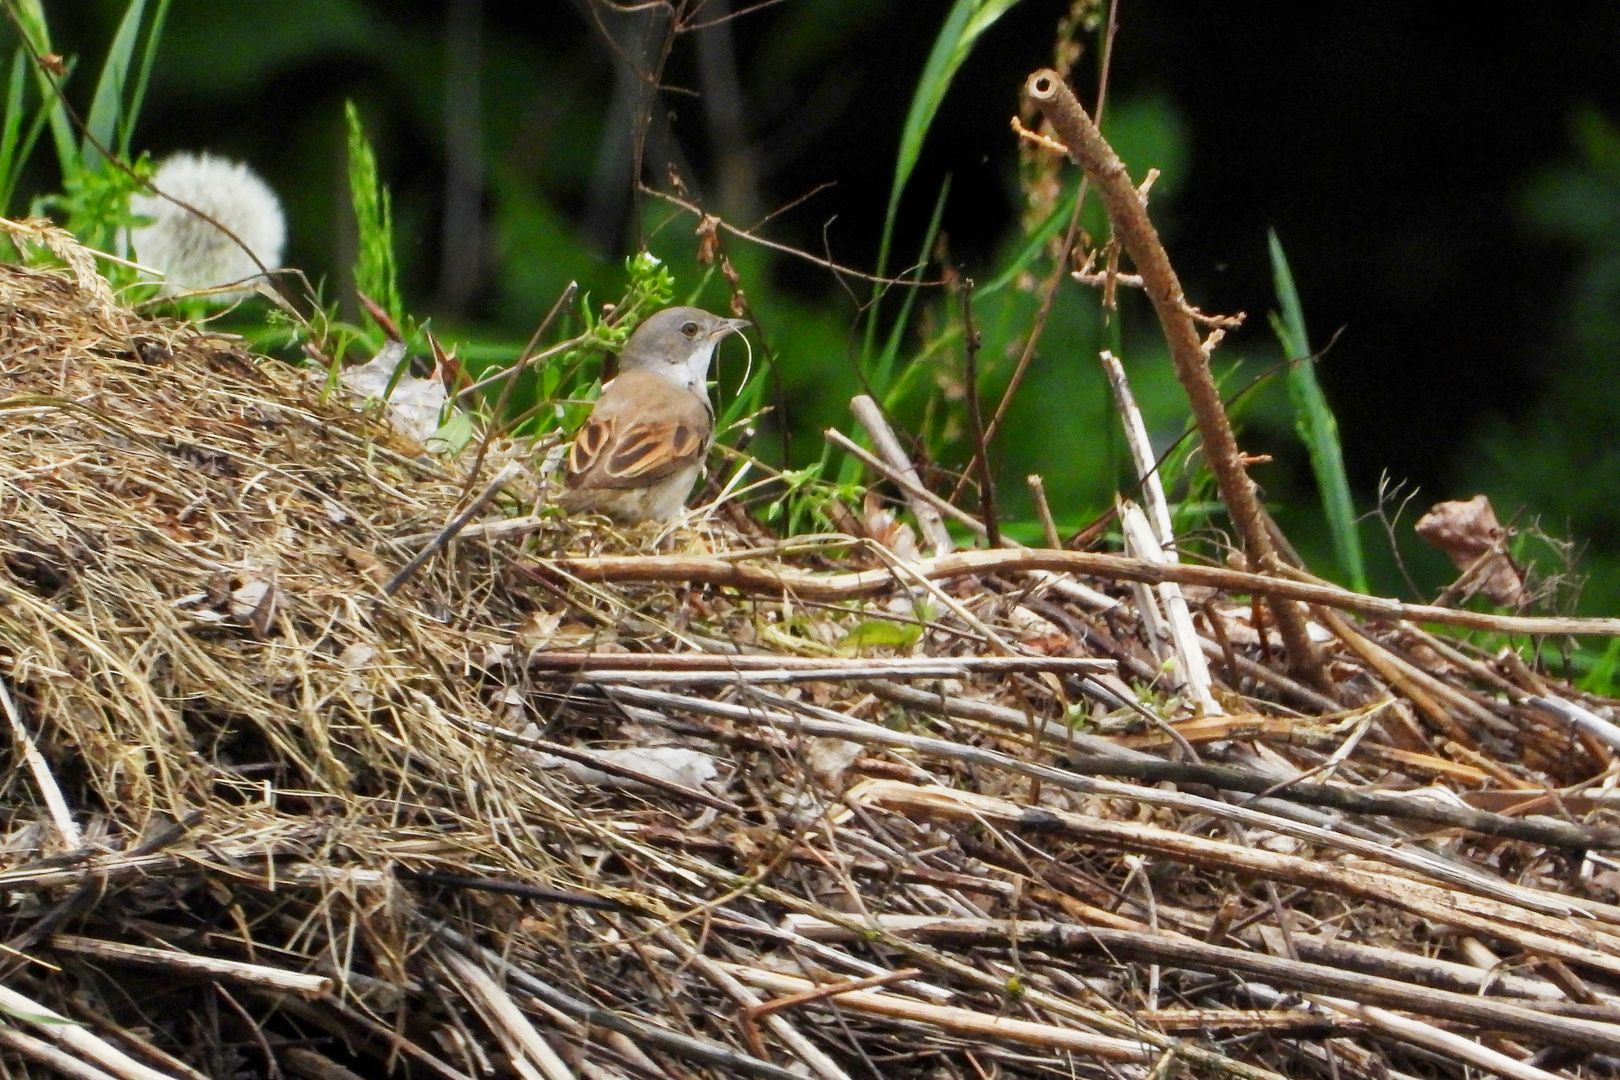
(642, 429)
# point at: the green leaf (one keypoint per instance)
(102, 122)
(881, 378)
(880, 634)
(456, 432)
(30, 15)
(968, 20)
(1601, 679)
(1314, 421)
(1054, 222)
(11, 149)
(154, 34)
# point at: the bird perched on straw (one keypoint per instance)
(638, 455)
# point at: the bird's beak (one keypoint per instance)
(730, 326)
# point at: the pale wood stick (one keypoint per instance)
(829, 667)
(59, 1061)
(75, 1037)
(201, 967)
(529, 1052)
(1393, 963)
(1286, 1024)
(1140, 543)
(853, 584)
(1187, 648)
(1453, 1047)
(1578, 717)
(905, 478)
(723, 976)
(55, 804)
(1189, 652)
(834, 959)
(956, 1020)
(871, 418)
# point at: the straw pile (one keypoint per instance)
(556, 807)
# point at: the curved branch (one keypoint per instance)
(1127, 211)
(746, 577)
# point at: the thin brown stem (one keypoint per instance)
(733, 573)
(981, 439)
(1128, 213)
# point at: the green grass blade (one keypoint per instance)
(968, 20)
(101, 123)
(137, 96)
(881, 379)
(11, 128)
(1314, 421)
(375, 272)
(1055, 222)
(31, 18)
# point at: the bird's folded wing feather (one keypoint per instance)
(642, 430)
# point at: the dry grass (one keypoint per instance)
(278, 820)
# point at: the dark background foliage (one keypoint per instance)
(1447, 187)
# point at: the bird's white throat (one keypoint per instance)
(695, 371)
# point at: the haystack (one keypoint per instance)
(553, 804)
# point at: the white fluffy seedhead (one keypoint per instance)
(190, 251)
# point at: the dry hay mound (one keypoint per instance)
(526, 815)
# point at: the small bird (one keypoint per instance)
(638, 455)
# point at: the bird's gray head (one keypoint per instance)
(677, 343)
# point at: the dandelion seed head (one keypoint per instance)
(191, 252)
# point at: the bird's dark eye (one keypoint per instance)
(690, 329)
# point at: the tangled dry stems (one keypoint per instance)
(260, 815)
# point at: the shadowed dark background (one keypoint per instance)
(1446, 187)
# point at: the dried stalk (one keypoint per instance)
(43, 1053)
(855, 584)
(871, 418)
(1410, 806)
(188, 966)
(1416, 862)
(75, 1037)
(1567, 940)
(723, 976)
(830, 668)
(1043, 511)
(1046, 91)
(727, 1059)
(530, 1054)
(1189, 652)
(1452, 1047)
(964, 1023)
(905, 478)
(456, 524)
(49, 791)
